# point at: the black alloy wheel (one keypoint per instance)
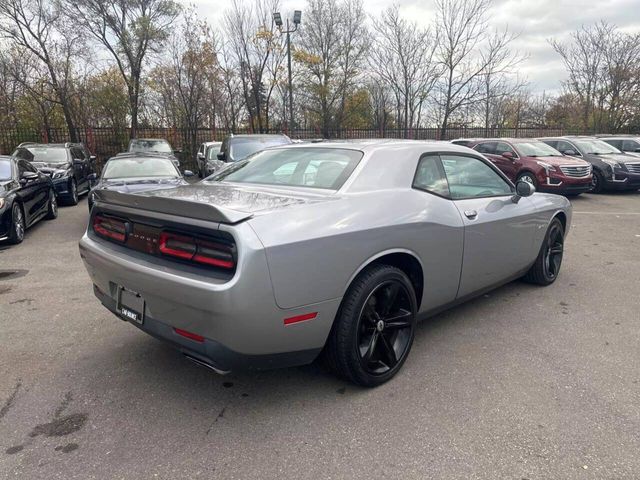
(597, 181)
(374, 330)
(52, 211)
(18, 225)
(385, 327)
(546, 268)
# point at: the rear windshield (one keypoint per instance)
(241, 148)
(325, 168)
(159, 146)
(5, 169)
(139, 167)
(43, 154)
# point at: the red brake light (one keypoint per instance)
(196, 250)
(109, 227)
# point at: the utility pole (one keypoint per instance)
(277, 18)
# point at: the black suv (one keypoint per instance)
(69, 165)
(612, 169)
(238, 147)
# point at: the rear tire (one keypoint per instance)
(52, 212)
(18, 224)
(375, 326)
(546, 268)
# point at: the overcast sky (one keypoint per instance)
(536, 21)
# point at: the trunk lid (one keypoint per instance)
(217, 202)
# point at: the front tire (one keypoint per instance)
(18, 224)
(374, 330)
(529, 178)
(52, 211)
(546, 268)
(72, 196)
(597, 182)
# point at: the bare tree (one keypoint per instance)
(130, 30)
(333, 50)
(463, 31)
(402, 57)
(40, 30)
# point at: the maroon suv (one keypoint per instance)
(537, 163)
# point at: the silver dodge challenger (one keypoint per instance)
(332, 249)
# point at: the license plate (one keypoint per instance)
(130, 305)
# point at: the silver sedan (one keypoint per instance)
(332, 249)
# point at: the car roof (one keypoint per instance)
(211, 143)
(508, 139)
(373, 145)
(127, 155)
(569, 137)
(257, 135)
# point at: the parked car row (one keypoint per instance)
(568, 165)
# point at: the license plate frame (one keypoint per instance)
(130, 305)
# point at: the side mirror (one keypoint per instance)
(27, 177)
(569, 152)
(221, 156)
(201, 155)
(523, 189)
(177, 152)
(78, 161)
(92, 176)
(92, 158)
(637, 150)
(507, 155)
(188, 173)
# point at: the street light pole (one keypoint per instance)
(297, 17)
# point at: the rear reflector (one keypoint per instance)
(189, 335)
(300, 318)
(109, 227)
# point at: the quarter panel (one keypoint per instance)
(313, 251)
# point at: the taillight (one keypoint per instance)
(196, 250)
(109, 227)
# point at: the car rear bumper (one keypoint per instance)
(211, 353)
(241, 324)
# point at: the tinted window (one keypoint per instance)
(565, 146)
(139, 167)
(615, 143)
(77, 153)
(24, 166)
(430, 176)
(302, 167)
(241, 148)
(487, 147)
(502, 147)
(5, 169)
(630, 145)
(470, 177)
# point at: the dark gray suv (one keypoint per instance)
(612, 169)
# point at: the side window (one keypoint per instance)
(630, 146)
(470, 177)
(24, 166)
(24, 154)
(616, 143)
(430, 176)
(564, 146)
(502, 147)
(552, 143)
(77, 153)
(486, 147)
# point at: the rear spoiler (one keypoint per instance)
(172, 206)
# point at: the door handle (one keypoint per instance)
(470, 214)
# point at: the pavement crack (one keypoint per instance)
(10, 401)
(220, 415)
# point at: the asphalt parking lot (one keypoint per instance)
(523, 383)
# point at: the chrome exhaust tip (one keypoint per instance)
(202, 363)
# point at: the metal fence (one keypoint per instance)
(106, 142)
